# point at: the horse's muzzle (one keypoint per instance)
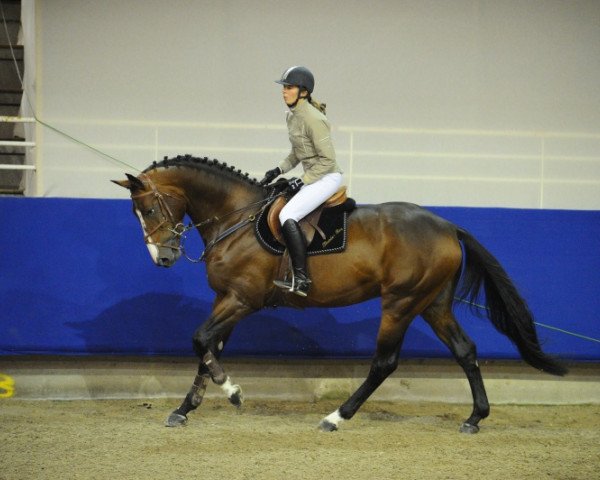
(168, 260)
(163, 255)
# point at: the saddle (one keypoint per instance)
(310, 223)
(325, 228)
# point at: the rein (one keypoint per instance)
(234, 228)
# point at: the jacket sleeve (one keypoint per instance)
(289, 162)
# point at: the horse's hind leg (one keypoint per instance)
(440, 317)
(389, 341)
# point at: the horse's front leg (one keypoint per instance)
(216, 372)
(209, 341)
(191, 401)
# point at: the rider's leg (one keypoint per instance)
(310, 197)
(296, 244)
(305, 201)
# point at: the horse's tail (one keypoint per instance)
(506, 309)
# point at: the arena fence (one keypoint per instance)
(76, 279)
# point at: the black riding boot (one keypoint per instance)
(296, 245)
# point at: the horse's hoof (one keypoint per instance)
(468, 428)
(327, 426)
(176, 420)
(237, 397)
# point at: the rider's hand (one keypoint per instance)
(294, 185)
(270, 175)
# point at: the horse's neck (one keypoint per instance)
(210, 197)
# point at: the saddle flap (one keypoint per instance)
(308, 223)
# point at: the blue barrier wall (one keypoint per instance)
(76, 279)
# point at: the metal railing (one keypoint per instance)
(16, 143)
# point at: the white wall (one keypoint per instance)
(469, 102)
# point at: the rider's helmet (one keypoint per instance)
(298, 77)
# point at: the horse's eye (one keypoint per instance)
(149, 212)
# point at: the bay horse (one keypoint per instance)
(400, 252)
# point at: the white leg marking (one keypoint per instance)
(228, 388)
(334, 418)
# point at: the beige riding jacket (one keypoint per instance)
(310, 137)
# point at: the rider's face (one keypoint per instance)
(290, 94)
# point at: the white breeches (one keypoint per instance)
(310, 197)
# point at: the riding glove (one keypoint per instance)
(294, 185)
(270, 175)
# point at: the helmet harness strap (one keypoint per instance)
(300, 89)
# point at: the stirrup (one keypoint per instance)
(299, 287)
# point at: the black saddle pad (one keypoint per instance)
(333, 223)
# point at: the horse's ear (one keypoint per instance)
(122, 183)
(132, 183)
(135, 184)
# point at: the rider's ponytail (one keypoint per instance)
(318, 105)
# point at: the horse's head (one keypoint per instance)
(160, 212)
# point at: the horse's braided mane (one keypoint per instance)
(202, 163)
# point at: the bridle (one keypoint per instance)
(179, 229)
(165, 211)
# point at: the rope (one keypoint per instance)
(549, 327)
(45, 124)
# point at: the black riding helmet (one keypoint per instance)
(298, 77)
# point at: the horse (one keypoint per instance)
(400, 252)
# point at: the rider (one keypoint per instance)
(309, 133)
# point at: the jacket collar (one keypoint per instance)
(300, 107)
